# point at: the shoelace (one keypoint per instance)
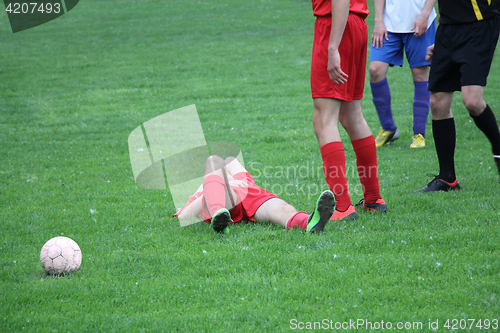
(436, 177)
(360, 203)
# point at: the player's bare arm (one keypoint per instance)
(379, 30)
(340, 12)
(420, 24)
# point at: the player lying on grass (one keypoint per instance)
(229, 195)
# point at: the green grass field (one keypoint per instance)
(73, 89)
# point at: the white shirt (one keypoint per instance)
(399, 15)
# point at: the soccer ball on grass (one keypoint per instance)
(60, 255)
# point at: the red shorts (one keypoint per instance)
(352, 49)
(250, 199)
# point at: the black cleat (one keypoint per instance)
(438, 184)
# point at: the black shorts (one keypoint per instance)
(463, 54)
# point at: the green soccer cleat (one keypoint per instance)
(384, 137)
(322, 212)
(221, 220)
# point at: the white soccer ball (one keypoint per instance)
(60, 255)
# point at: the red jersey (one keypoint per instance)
(324, 7)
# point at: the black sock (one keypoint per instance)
(445, 139)
(487, 123)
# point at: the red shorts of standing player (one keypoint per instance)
(229, 195)
(337, 82)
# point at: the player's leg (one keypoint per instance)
(443, 130)
(219, 197)
(475, 70)
(280, 212)
(352, 119)
(470, 76)
(325, 121)
(275, 210)
(416, 50)
(473, 99)
(381, 96)
(444, 79)
(421, 105)
(216, 190)
(481, 113)
(378, 71)
(391, 53)
(233, 166)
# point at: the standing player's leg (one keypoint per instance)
(481, 113)
(326, 101)
(363, 142)
(352, 119)
(381, 96)
(416, 51)
(390, 53)
(444, 78)
(475, 71)
(325, 121)
(444, 132)
(421, 105)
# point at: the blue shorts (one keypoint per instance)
(414, 47)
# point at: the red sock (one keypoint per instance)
(298, 220)
(366, 160)
(335, 174)
(214, 190)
